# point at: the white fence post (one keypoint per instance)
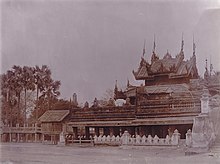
(175, 138)
(125, 138)
(167, 140)
(189, 138)
(138, 139)
(156, 140)
(149, 139)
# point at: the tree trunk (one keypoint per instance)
(25, 106)
(37, 103)
(19, 101)
(10, 106)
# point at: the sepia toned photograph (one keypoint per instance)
(110, 82)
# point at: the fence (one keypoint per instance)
(20, 133)
(80, 140)
(21, 129)
(127, 139)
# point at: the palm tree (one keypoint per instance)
(51, 91)
(42, 76)
(4, 98)
(18, 89)
(39, 85)
(28, 84)
(10, 99)
(4, 86)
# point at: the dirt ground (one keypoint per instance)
(37, 153)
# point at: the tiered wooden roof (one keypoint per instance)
(173, 67)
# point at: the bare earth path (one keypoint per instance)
(30, 153)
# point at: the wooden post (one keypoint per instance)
(10, 137)
(80, 140)
(18, 137)
(111, 131)
(42, 137)
(97, 131)
(87, 132)
(35, 137)
(26, 137)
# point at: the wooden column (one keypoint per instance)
(10, 137)
(97, 131)
(42, 137)
(106, 131)
(111, 131)
(35, 137)
(18, 137)
(142, 130)
(116, 131)
(87, 132)
(136, 130)
(26, 137)
(75, 132)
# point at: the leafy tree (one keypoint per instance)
(42, 76)
(24, 88)
(28, 84)
(18, 90)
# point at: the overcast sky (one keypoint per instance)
(90, 44)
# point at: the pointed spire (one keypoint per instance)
(144, 47)
(206, 74)
(116, 86)
(211, 66)
(128, 83)
(182, 43)
(116, 90)
(194, 47)
(154, 47)
(75, 102)
(154, 57)
(206, 64)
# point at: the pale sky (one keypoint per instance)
(90, 44)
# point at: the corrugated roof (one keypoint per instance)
(54, 115)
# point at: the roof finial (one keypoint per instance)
(115, 90)
(211, 66)
(194, 47)
(116, 85)
(128, 83)
(144, 47)
(182, 43)
(154, 47)
(206, 74)
(206, 64)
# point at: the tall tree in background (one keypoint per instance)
(18, 90)
(4, 98)
(42, 76)
(11, 83)
(28, 84)
(51, 91)
(8, 98)
(21, 86)
(48, 99)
